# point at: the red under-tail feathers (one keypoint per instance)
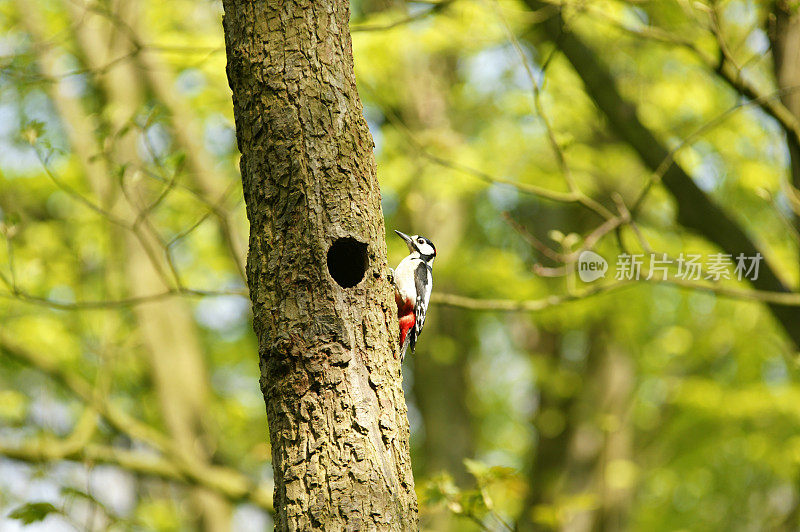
(405, 312)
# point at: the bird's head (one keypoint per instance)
(420, 246)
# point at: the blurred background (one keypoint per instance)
(129, 394)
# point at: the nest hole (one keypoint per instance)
(347, 261)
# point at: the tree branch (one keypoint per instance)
(172, 464)
(784, 299)
(725, 67)
(232, 485)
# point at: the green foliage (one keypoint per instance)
(646, 408)
(33, 512)
(475, 504)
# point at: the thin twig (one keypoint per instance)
(789, 299)
(117, 303)
(579, 195)
(436, 7)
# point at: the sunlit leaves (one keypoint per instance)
(476, 504)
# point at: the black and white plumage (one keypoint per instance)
(413, 281)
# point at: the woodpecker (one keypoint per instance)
(413, 281)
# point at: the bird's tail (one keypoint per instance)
(410, 340)
(404, 348)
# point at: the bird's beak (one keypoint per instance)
(407, 238)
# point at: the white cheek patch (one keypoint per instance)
(425, 249)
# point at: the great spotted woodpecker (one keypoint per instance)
(413, 280)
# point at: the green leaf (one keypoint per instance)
(439, 489)
(32, 131)
(476, 469)
(474, 503)
(485, 474)
(33, 512)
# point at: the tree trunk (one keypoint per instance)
(546, 470)
(167, 328)
(323, 309)
(784, 32)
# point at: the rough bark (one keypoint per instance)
(696, 211)
(330, 370)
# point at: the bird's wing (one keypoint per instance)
(423, 281)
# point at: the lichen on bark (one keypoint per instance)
(330, 372)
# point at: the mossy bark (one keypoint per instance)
(330, 371)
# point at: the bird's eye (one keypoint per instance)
(420, 241)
